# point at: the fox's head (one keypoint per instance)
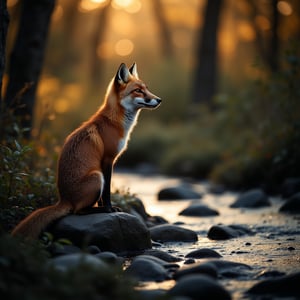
(132, 92)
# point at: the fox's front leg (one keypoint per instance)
(105, 197)
(105, 200)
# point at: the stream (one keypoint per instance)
(274, 247)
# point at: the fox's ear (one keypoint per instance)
(123, 74)
(133, 70)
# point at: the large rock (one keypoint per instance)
(254, 198)
(116, 232)
(172, 233)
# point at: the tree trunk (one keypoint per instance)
(26, 59)
(4, 20)
(164, 32)
(205, 81)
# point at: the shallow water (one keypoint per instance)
(275, 245)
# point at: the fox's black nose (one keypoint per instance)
(158, 100)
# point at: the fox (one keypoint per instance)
(88, 155)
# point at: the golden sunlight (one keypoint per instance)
(245, 31)
(284, 8)
(88, 5)
(123, 24)
(61, 105)
(131, 6)
(124, 47)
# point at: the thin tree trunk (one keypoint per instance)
(4, 21)
(164, 32)
(26, 59)
(205, 81)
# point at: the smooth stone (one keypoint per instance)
(157, 260)
(206, 268)
(57, 250)
(66, 262)
(254, 198)
(144, 269)
(110, 257)
(115, 232)
(162, 255)
(223, 232)
(199, 287)
(290, 187)
(204, 253)
(285, 286)
(151, 294)
(172, 233)
(198, 210)
(180, 192)
(292, 205)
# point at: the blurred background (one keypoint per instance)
(227, 72)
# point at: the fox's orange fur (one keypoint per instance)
(89, 153)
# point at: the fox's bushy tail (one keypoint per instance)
(33, 225)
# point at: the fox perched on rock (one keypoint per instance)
(89, 152)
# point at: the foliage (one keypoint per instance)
(251, 139)
(26, 274)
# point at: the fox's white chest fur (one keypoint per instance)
(130, 120)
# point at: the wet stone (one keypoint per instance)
(254, 198)
(203, 253)
(199, 287)
(285, 286)
(200, 268)
(172, 233)
(198, 210)
(223, 232)
(180, 192)
(162, 255)
(292, 205)
(144, 269)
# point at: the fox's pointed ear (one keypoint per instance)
(133, 70)
(123, 74)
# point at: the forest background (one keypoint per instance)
(227, 71)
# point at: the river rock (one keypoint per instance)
(116, 232)
(199, 287)
(172, 233)
(286, 286)
(162, 255)
(290, 187)
(200, 268)
(198, 210)
(223, 232)
(66, 262)
(292, 205)
(203, 253)
(254, 198)
(145, 269)
(181, 192)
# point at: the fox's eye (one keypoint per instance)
(138, 91)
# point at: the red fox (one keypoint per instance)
(89, 152)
